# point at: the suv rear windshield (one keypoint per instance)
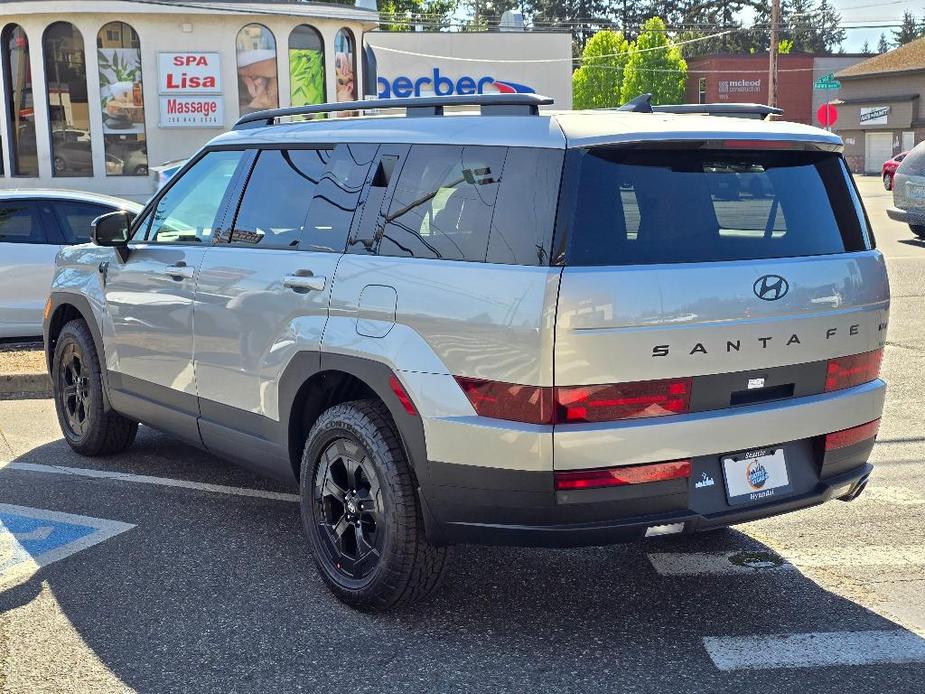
(645, 206)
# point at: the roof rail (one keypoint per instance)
(643, 104)
(490, 105)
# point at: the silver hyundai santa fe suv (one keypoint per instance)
(500, 326)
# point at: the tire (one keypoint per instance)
(918, 230)
(888, 181)
(378, 557)
(77, 383)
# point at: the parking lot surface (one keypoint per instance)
(167, 570)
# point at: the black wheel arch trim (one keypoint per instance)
(81, 304)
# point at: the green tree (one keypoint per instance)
(830, 34)
(582, 17)
(484, 14)
(597, 83)
(655, 65)
(882, 45)
(404, 15)
(865, 49)
(908, 30)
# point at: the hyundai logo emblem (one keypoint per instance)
(770, 287)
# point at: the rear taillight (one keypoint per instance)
(853, 370)
(849, 437)
(620, 476)
(574, 404)
(606, 403)
(511, 401)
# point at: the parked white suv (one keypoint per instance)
(34, 226)
(504, 327)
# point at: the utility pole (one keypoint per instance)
(772, 53)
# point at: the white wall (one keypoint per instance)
(500, 55)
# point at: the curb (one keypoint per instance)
(32, 384)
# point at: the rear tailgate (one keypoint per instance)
(743, 271)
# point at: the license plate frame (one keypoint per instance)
(756, 476)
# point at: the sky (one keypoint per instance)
(858, 16)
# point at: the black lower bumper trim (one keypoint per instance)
(627, 529)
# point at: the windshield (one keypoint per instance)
(638, 206)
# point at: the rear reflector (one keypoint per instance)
(518, 403)
(845, 372)
(402, 396)
(605, 403)
(620, 476)
(849, 437)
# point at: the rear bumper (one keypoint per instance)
(479, 505)
(634, 527)
(913, 217)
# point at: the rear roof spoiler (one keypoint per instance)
(643, 104)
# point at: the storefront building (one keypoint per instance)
(96, 93)
(425, 63)
(879, 106)
(805, 81)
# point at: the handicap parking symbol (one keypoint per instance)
(31, 538)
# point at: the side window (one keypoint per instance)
(74, 219)
(273, 210)
(525, 213)
(337, 197)
(443, 203)
(19, 223)
(187, 211)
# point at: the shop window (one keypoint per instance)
(68, 106)
(118, 53)
(306, 66)
(17, 90)
(345, 65)
(258, 86)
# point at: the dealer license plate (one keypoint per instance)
(755, 476)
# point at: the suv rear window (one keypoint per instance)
(638, 206)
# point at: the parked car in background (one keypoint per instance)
(909, 191)
(165, 171)
(889, 169)
(34, 225)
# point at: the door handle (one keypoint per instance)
(178, 271)
(305, 283)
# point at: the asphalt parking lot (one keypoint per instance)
(169, 570)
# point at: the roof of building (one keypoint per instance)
(910, 56)
(565, 129)
(333, 10)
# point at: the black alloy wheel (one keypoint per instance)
(348, 509)
(74, 389)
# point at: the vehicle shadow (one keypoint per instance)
(218, 593)
(918, 243)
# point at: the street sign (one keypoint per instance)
(827, 114)
(827, 82)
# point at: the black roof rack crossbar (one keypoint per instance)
(643, 104)
(739, 110)
(490, 104)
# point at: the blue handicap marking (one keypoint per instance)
(31, 538)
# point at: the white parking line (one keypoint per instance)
(739, 562)
(815, 649)
(147, 479)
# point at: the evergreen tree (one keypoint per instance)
(882, 45)
(655, 65)
(583, 17)
(597, 83)
(908, 30)
(865, 49)
(829, 31)
(485, 14)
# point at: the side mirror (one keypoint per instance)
(112, 229)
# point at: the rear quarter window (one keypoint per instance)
(638, 206)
